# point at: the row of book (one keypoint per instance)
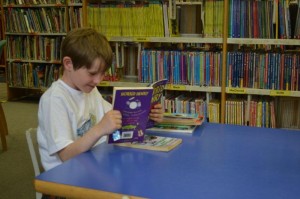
(264, 19)
(127, 18)
(34, 48)
(75, 17)
(34, 2)
(201, 68)
(264, 70)
(32, 20)
(182, 103)
(213, 18)
(288, 112)
(261, 70)
(31, 75)
(261, 113)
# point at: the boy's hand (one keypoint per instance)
(156, 113)
(111, 121)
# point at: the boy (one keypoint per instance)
(73, 116)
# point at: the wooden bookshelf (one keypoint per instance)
(224, 30)
(225, 40)
(2, 54)
(39, 28)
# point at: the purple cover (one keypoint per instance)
(134, 104)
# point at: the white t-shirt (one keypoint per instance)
(64, 115)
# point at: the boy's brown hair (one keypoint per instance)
(84, 45)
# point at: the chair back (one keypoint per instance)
(33, 150)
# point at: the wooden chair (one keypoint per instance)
(3, 124)
(3, 128)
(33, 150)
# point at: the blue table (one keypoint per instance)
(217, 161)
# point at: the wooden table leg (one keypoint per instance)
(3, 128)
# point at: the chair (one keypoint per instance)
(32, 145)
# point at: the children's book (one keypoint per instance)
(178, 123)
(134, 104)
(158, 89)
(172, 128)
(182, 119)
(155, 143)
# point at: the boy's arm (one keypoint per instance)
(111, 121)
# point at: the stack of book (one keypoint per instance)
(178, 122)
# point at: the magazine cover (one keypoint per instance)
(158, 89)
(134, 105)
(154, 143)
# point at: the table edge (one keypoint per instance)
(69, 191)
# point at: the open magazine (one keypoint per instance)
(135, 104)
(155, 143)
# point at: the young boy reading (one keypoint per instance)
(73, 116)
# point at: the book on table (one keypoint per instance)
(135, 104)
(178, 123)
(154, 143)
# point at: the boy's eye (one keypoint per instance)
(92, 74)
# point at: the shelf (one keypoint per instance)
(188, 3)
(34, 61)
(75, 4)
(33, 5)
(129, 83)
(267, 92)
(36, 34)
(167, 39)
(264, 41)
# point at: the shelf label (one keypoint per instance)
(280, 93)
(141, 39)
(236, 90)
(175, 87)
(104, 83)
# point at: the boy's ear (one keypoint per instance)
(67, 63)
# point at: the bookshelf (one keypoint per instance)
(219, 29)
(212, 37)
(2, 56)
(34, 31)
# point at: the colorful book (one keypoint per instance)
(182, 119)
(154, 143)
(158, 89)
(172, 128)
(134, 104)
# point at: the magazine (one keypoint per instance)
(155, 143)
(158, 89)
(134, 104)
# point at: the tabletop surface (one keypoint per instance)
(217, 161)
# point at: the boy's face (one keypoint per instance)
(86, 80)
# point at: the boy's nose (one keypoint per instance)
(98, 79)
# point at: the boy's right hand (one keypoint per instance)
(111, 121)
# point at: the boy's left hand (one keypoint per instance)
(156, 113)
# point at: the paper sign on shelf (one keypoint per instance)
(280, 93)
(175, 87)
(236, 90)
